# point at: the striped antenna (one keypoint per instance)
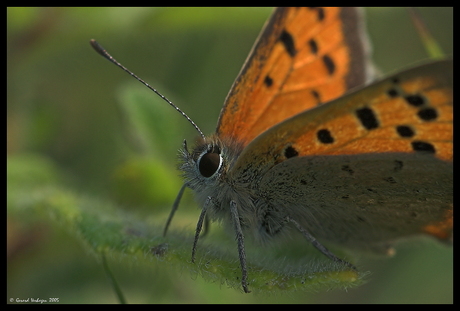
(106, 55)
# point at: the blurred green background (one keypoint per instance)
(71, 122)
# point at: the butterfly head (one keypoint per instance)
(208, 162)
(203, 165)
(207, 158)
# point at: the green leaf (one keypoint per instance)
(106, 229)
(145, 181)
(151, 123)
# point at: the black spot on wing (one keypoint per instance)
(329, 63)
(422, 146)
(392, 93)
(290, 152)
(268, 81)
(367, 118)
(405, 131)
(415, 100)
(320, 13)
(324, 136)
(316, 96)
(288, 41)
(428, 114)
(313, 46)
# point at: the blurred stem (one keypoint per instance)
(432, 46)
(113, 281)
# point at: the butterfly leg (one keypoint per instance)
(206, 226)
(199, 226)
(174, 208)
(240, 241)
(318, 245)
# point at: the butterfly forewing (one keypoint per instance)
(304, 57)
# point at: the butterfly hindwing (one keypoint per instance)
(364, 201)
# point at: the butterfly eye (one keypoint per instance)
(209, 163)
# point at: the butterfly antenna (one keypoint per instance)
(106, 55)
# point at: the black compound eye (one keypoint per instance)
(208, 164)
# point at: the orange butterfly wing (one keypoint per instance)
(410, 113)
(303, 57)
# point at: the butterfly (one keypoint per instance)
(303, 143)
